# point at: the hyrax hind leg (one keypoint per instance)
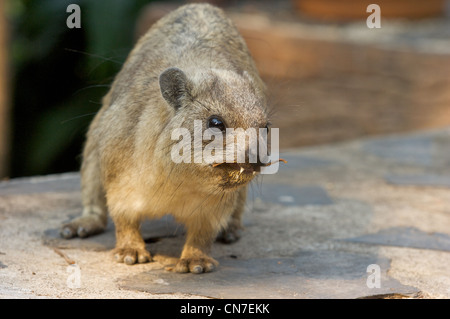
(94, 217)
(232, 232)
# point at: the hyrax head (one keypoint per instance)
(222, 118)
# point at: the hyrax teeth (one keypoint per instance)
(242, 169)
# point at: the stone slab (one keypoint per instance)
(416, 150)
(406, 237)
(58, 183)
(289, 195)
(299, 242)
(301, 162)
(310, 274)
(419, 180)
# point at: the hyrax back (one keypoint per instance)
(192, 65)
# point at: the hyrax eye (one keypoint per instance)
(216, 122)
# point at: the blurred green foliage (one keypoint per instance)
(60, 76)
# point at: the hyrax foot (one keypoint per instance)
(196, 265)
(131, 256)
(83, 226)
(230, 235)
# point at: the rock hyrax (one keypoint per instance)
(190, 65)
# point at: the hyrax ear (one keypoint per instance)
(175, 87)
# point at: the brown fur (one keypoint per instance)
(190, 65)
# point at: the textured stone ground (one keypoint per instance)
(312, 231)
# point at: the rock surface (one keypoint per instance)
(332, 221)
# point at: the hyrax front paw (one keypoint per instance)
(196, 265)
(83, 226)
(131, 256)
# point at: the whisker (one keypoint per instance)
(77, 117)
(91, 86)
(279, 160)
(94, 55)
(268, 164)
(247, 204)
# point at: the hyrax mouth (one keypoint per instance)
(242, 168)
(246, 167)
(237, 174)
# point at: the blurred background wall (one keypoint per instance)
(330, 77)
(59, 75)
